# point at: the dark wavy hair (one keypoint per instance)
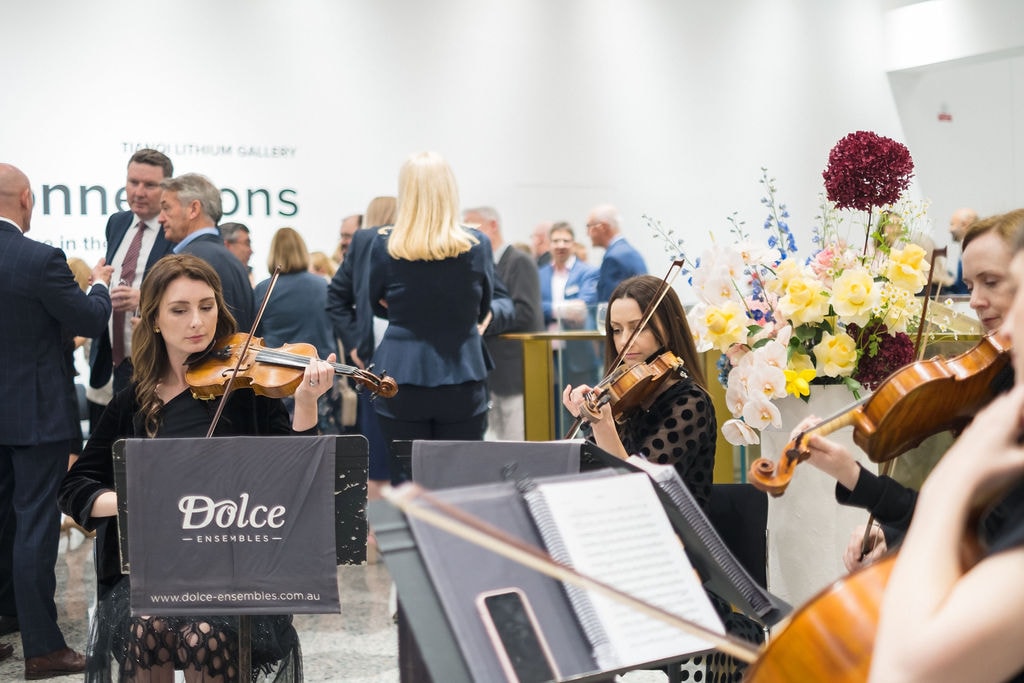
(149, 351)
(668, 323)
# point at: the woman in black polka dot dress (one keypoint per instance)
(675, 426)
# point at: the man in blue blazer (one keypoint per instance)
(146, 169)
(621, 260)
(189, 211)
(43, 308)
(568, 292)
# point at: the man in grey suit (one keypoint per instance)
(189, 211)
(518, 272)
(43, 308)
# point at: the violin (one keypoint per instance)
(627, 388)
(270, 372)
(918, 400)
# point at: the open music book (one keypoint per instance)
(614, 529)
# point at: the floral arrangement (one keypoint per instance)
(785, 322)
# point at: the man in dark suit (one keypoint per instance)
(518, 272)
(189, 211)
(134, 243)
(43, 307)
(620, 260)
(568, 292)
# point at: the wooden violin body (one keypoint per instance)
(269, 372)
(918, 400)
(629, 388)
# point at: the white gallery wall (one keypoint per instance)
(543, 107)
(957, 74)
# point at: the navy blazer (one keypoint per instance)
(101, 356)
(620, 261)
(350, 311)
(433, 308)
(295, 312)
(348, 300)
(234, 280)
(42, 304)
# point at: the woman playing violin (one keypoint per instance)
(675, 424)
(987, 250)
(182, 312)
(950, 612)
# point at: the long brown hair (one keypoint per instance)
(149, 351)
(668, 323)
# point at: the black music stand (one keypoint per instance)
(422, 618)
(350, 527)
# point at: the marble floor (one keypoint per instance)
(359, 645)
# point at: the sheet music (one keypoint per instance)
(615, 530)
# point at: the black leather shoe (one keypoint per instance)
(5, 651)
(8, 625)
(58, 663)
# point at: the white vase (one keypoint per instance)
(807, 530)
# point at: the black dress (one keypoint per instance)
(205, 642)
(679, 429)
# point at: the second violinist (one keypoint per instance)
(675, 424)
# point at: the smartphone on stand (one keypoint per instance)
(516, 636)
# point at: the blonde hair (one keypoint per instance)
(321, 263)
(288, 250)
(381, 211)
(81, 271)
(427, 226)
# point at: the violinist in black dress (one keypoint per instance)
(182, 312)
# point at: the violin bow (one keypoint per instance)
(663, 288)
(245, 348)
(919, 347)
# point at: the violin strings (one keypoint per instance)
(299, 361)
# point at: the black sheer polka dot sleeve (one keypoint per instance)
(678, 429)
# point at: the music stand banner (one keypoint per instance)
(241, 525)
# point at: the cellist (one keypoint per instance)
(987, 250)
(952, 608)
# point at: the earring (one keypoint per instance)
(156, 330)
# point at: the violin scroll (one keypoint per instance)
(773, 478)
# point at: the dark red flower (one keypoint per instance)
(867, 170)
(881, 353)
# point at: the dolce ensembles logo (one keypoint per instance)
(205, 520)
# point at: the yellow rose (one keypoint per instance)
(907, 268)
(854, 295)
(786, 271)
(805, 301)
(836, 354)
(726, 325)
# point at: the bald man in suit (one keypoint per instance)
(43, 305)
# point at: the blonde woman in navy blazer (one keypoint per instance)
(432, 278)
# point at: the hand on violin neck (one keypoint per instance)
(581, 402)
(317, 380)
(825, 454)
